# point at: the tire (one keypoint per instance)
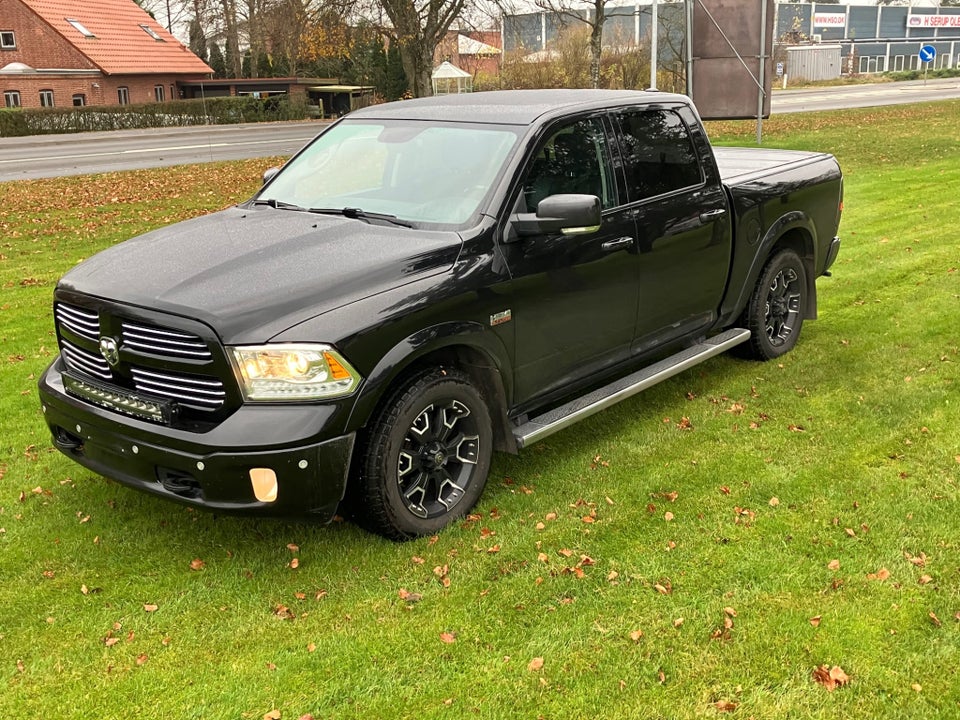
(775, 311)
(427, 456)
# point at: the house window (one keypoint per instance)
(123, 95)
(11, 98)
(79, 100)
(158, 93)
(8, 40)
(79, 27)
(151, 32)
(46, 98)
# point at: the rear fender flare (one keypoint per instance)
(795, 230)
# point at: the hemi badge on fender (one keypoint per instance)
(500, 318)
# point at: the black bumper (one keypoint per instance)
(209, 470)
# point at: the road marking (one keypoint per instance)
(171, 148)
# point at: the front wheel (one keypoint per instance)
(775, 311)
(427, 456)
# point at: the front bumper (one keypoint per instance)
(209, 470)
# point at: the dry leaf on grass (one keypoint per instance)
(831, 678)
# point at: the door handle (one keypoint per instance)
(711, 215)
(620, 242)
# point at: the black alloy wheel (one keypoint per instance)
(427, 456)
(775, 312)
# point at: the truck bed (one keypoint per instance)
(739, 165)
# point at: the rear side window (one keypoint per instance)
(658, 155)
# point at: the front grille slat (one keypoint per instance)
(84, 323)
(166, 342)
(84, 361)
(203, 393)
(181, 352)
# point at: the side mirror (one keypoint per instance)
(269, 174)
(565, 214)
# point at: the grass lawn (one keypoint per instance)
(698, 551)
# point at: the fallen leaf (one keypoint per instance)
(409, 597)
(833, 565)
(774, 502)
(149, 607)
(725, 706)
(142, 658)
(925, 580)
(917, 687)
(295, 563)
(668, 516)
(831, 678)
(293, 547)
(678, 622)
(815, 621)
(448, 637)
(535, 664)
(272, 715)
(636, 635)
(197, 564)
(934, 619)
(881, 574)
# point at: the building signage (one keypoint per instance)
(834, 20)
(933, 21)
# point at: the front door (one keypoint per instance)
(574, 297)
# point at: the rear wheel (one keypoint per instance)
(427, 456)
(774, 314)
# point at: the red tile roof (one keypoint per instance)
(120, 46)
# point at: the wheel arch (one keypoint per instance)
(468, 346)
(794, 231)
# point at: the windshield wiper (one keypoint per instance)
(278, 204)
(358, 214)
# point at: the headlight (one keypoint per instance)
(271, 373)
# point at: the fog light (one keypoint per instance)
(264, 481)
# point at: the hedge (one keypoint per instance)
(212, 111)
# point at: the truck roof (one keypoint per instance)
(510, 107)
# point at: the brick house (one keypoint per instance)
(58, 53)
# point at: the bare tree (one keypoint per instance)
(418, 26)
(593, 14)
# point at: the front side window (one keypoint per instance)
(8, 41)
(123, 95)
(11, 98)
(574, 159)
(79, 100)
(658, 155)
(158, 93)
(418, 171)
(46, 98)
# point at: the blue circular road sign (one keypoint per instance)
(927, 53)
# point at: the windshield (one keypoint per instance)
(413, 170)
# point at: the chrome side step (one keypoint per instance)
(559, 418)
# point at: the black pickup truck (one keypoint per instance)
(426, 282)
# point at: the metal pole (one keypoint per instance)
(763, 66)
(688, 8)
(653, 45)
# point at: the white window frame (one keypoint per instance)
(11, 99)
(81, 97)
(151, 32)
(158, 93)
(8, 40)
(123, 95)
(80, 27)
(46, 98)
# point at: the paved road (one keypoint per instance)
(75, 154)
(851, 96)
(57, 155)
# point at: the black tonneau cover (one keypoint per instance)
(738, 165)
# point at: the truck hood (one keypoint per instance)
(252, 273)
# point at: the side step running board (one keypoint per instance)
(559, 418)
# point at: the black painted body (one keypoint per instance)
(393, 299)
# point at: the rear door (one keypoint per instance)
(682, 222)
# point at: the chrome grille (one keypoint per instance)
(84, 361)
(80, 321)
(162, 341)
(202, 393)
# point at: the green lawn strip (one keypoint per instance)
(809, 504)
